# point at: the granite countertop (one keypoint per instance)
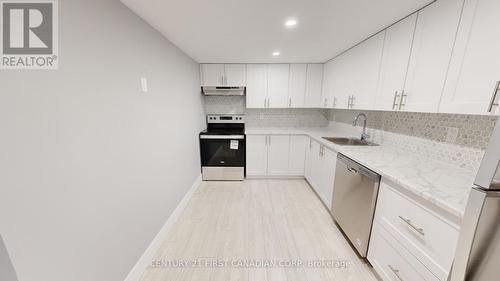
(439, 183)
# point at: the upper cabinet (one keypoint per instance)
(314, 81)
(365, 60)
(256, 93)
(277, 86)
(472, 82)
(297, 85)
(212, 75)
(230, 75)
(433, 41)
(396, 55)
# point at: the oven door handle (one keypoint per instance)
(222, 137)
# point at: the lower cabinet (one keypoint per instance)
(409, 239)
(275, 155)
(320, 170)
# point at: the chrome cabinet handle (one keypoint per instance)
(402, 102)
(395, 102)
(395, 271)
(417, 229)
(494, 101)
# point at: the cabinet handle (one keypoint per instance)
(395, 102)
(268, 102)
(289, 102)
(417, 229)
(395, 271)
(334, 101)
(325, 104)
(269, 140)
(402, 102)
(353, 98)
(494, 101)
(349, 102)
(310, 143)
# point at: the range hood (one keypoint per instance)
(223, 91)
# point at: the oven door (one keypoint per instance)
(222, 157)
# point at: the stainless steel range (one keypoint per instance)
(222, 148)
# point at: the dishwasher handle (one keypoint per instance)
(356, 168)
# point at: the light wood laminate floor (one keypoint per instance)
(237, 230)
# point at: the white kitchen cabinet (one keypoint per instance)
(256, 155)
(392, 261)
(320, 170)
(256, 95)
(212, 74)
(278, 155)
(328, 163)
(336, 83)
(434, 37)
(427, 235)
(475, 65)
(329, 74)
(235, 75)
(314, 82)
(277, 86)
(397, 49)
(297, 85)
(297, 155)
(364, 69)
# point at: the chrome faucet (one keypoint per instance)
(364, 135)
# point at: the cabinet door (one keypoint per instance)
(328, 165)
(314, 81)
(315, 166)
(397, 48)
(329, 72)
(256, 147)
(475, 64)
(365, 60)
(236, 75)
(308, 163)
(342, 81)
(278, 85)
(212, 75)
(431, 53)
(256, 85)
(297, 85)
(278, 155)
(297, 155)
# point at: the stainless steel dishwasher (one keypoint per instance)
(354, 197)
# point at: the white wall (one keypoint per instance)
(90, 167)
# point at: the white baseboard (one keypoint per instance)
(146, 258)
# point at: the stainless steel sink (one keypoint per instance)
(350, 141)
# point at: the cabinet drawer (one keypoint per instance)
(392, 261)
(428, 237)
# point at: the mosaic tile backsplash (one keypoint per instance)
(473, 130)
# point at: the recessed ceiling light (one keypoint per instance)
(276, 53)
(290, 23)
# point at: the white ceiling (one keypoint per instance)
(250, 30)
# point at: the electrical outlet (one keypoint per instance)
(451, 134)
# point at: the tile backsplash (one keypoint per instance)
(473, 130)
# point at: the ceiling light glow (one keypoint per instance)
(290, 23)
(276, 53)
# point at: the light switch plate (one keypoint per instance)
(451, 134)
(144, 85)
